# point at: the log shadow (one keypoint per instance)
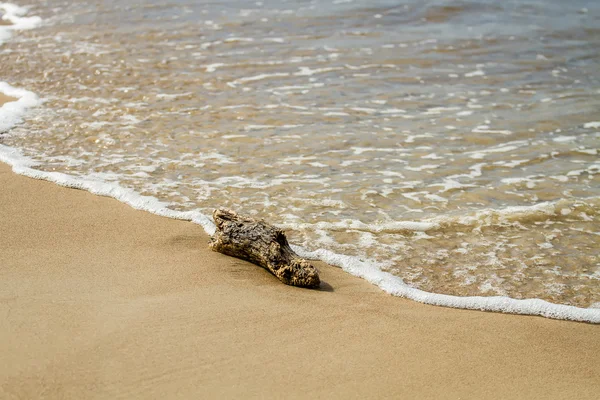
(325, 287)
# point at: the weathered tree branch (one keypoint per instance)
(262, 244)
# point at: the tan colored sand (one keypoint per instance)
(99, 301)
(5, 99)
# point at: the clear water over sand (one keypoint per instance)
(454, 142)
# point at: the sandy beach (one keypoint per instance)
(98, 300)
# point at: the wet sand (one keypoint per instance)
(4, 99)
(98, 300)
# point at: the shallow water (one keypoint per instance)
(453, 142)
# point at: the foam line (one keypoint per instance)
(12, 112)
(15, 15)
(369, 271)
(25, 166)
(478, 218)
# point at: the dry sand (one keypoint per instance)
(98, 300)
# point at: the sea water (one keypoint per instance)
(444, 150)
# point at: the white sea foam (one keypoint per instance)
(564, 139)
(259, 77)
(173, 96)
(16, 16)
(306, 71)
(390, 227)
(482, 217)
(422, 167)
(485, 129)
(474, 73)
(592, 125)
(11, 113)
(503, 148)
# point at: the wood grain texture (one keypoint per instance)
(262, 244)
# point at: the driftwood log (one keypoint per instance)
(262, 244)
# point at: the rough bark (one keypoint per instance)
(262, 244)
